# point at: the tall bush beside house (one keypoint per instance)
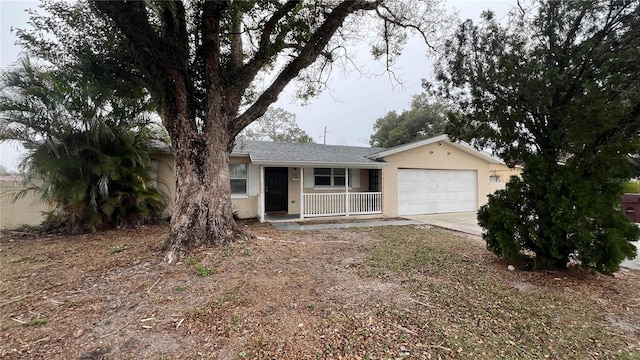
(559, 217)
(555, 91)
(88, 147)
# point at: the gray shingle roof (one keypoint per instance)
(265, 152)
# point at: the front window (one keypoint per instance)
(330, 177)
(322, 176)
(238, 178)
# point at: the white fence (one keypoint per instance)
(335, 204)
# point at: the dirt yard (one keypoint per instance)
(390, 292)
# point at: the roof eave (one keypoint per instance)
(460, 145)
(408, 146)
(352, 165)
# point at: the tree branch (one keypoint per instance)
(306, 57)
(266, 49)
(236, 43)
(210, 48)
(162, 58)
(132, 20)
(403, 23)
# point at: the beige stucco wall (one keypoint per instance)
(294, 183)
(436, 157)
(504, 173)
(245, 205)
(166, 183)
(26, 211)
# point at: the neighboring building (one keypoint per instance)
(28, 210)
(308, 180)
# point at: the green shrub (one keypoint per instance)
(553, 214)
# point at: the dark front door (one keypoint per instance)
(276, 191)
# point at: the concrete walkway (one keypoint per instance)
(465, 222)
(342, 225)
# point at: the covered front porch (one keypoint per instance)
(299, 192)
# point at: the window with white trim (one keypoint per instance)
(238, 178)
(330, 177)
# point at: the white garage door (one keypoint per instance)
(436, 191)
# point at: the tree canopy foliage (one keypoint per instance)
(276, 125)
(213, 67)
(425, 119)
(88, 147)
(556, 91)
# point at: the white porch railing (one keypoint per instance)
(335, 204)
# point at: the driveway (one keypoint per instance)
(635, 263)
(465, 222)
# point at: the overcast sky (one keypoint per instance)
(347, 110)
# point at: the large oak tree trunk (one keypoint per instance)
(203, 213)
(199, 88)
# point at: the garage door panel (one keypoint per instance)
(422, 191)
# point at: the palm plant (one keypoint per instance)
(89, 157)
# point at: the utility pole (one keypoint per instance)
(325, 135)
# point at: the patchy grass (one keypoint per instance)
(38, 321)
(204, 271)
(383, 293)
(469, 311)
(20, 260)
(117, 249)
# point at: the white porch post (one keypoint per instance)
(261, 195)
(301, 192)
(346, 191)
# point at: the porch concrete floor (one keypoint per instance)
(465, 222)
